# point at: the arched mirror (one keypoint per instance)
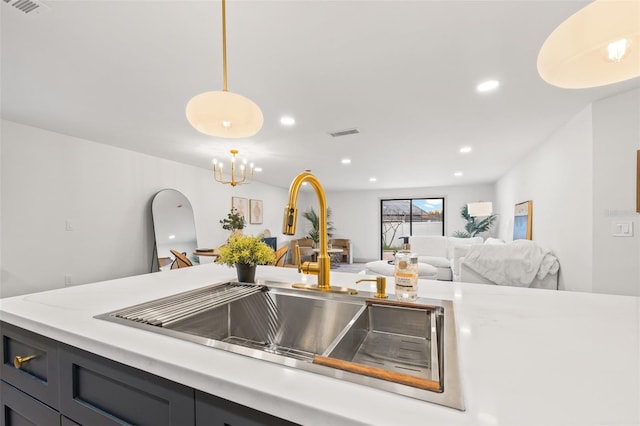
(174, 228)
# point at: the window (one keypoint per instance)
(401, 218)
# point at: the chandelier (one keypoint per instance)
(222, 113)
(242, 179)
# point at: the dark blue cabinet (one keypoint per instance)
(64, 385)
(20, 409)
(97, 391)
(214, 411)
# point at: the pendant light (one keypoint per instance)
(222, 113)
(596, 46)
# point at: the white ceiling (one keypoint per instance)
(403, 72)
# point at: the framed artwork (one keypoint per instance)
(255, 209)
(240, 204)
(638, 182)
(522, 220)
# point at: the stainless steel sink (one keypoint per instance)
(397, 341)
(408, 349)
(273, 321)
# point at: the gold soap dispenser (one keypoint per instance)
(381, 286)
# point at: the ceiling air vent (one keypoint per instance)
(344, 132)
(26, 6)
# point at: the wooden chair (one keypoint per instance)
(181, 261)
(306, 250)
(281, 256)
(164, 261)
(345, 245)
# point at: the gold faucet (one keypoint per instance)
(381, 286)
(322, 265)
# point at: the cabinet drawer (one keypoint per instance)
(98, 391)
(37, 374)
(65, 421)
(214, 411)
(19, 409)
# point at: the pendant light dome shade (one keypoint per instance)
(224, 114)
(596, 46)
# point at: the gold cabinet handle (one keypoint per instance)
(19, 360)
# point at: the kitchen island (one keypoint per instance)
(527, 356)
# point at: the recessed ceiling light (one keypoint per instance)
(465, 149)
(257, 169)
(346, 161)
(488, 85)
(372, 179)
(457, 174)
(287, 121)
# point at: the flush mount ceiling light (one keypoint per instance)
(218, 166)
(465, 150)
(224, 114)
(596, 46)
(346, 161)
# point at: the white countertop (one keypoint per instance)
(527, 356)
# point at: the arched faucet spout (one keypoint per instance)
(322, 265)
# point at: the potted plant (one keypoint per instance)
(245, 252)
(474, 227)
(313, 218)
(234, 221)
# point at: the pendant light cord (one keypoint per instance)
(224, 47)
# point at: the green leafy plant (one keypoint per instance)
(314, 219)
(474, 227)
(245, 249)
(233, 221)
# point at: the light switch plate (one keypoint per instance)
(622, 229)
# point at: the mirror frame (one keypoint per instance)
(172, 216)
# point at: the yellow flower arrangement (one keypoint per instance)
(245, 249)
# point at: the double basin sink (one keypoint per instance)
(405, 348)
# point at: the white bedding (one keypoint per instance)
(515, 264)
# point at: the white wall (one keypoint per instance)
(581, 181)
(556, 176)
(105, 193)
(356, 214)
(616, 139)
